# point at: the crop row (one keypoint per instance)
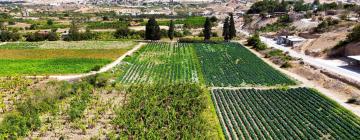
(232, 64)
(162, 63)
(299, 113)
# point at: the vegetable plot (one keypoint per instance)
(299, 113)
(232, 64)
(162, 63)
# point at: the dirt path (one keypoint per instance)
(3, 43)
(102, 70)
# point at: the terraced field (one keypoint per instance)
(233, 65)
(162, 63)
(299, 113)
(45, 58)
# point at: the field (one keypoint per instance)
(43, 58)
(191, 22)
(233, 65)
(159, 92)
(162, 63)
(299, 113)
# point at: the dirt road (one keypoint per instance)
(328, 65)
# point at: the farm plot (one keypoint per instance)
(231, 64)
(43, 58)
(299, 113)
(162, 63)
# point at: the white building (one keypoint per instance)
(289, 40)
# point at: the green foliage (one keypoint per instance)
(253, 40)
(354, 35)
(50, 22)
(256, 42)
(26, 117)
(152, 30)
(9, 36)
(226, 29)
(232, 29)
(325, 25)
(230, 64)
(268, 6)
(301, 6)
(49, 66)
(207, 29)
(166, 111)
(13, 125)
(201, 40)
(98, 80)
(300, 113)
(78, 104)
(171, 31)
(37, 36)
(273, 27)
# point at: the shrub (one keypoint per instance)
(13, 125)
(98, 80)
(286, 65)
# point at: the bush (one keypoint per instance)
(182, 104)
(98, 80)
(286, 65)
(260, 46)
(9, 36)
(253, 40)
(13, 125)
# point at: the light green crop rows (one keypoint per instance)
(162, 63)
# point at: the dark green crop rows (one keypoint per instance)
(232, 64)
(299, 113)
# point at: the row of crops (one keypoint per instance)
(162, 63)
(299, 113)
(233, 65)
(227, 64)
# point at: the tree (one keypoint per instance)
(316, 2)
(232, 28)
(74, 34)
(226, 29)
(50, 22)
(152, 30)
(171, 30)
(213, 19)
(207, 29)
(52, 36)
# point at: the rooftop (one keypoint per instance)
(355, 57)
(293, 38)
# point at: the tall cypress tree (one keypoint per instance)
(171, 30)
(152, 30)
(226, 29)
(207, 29)
(232, 30)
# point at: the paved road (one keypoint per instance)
(321, 63)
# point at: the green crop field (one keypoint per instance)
(299, 113)
(59, 57)
(162, 63)
(232, 64)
